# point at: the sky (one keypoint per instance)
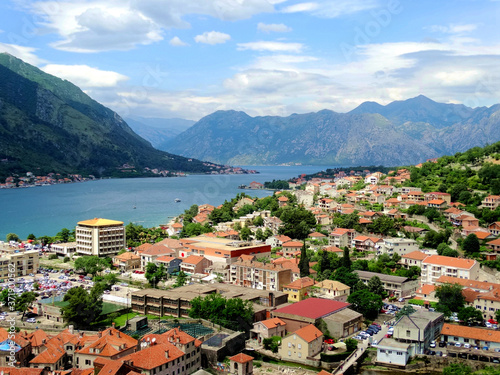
(190, 58)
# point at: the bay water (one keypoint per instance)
(46, 210)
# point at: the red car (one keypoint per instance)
(329, 341)
(492, 321)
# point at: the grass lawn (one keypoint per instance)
(106, 307)
(122, 319)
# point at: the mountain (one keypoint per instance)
(158, 131)
(400, 133)
(49, 125)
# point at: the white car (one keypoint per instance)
(31, 320)
(467, 346)
(433, 344)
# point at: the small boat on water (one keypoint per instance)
(177, 200)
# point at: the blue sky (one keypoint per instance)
(189, 58)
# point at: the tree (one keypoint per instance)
(375, 286)
(444, 250)
(245, 233)
(64, 235)
(181, 279)
(470, 315)
(31, 236)
(471, 244)
(110, 279)
(450, 298)
(297, 222)
(154, 274)
(83, 308)
(12, 237)
(259, 235)
(345, 276)
(351, 345)
(457, 369)
(268, 233)
(405, 310)
(90, 264)
(304, 261)
(24, 301)
(366, 303)
(258, 221)
(346, 260)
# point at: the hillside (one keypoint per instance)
(401, 133)
(49, 125)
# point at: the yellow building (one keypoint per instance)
(331, 289)
(19, 264)
(101, 237)
(299, 289)
(301, 344)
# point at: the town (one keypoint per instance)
(328, 273)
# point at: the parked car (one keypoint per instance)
(432, 344)
(467, 345)
(442, 344)
(458, 345)
(31, 320)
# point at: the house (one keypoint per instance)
(174, 229)
(465, 220)
(241, 364)
(273, 223)
(438, 195)
(152, 253)
(282, 201)
(427, 293)
(290, 248)
(480, 337)
(488, 303)
(195, 264)
(396, 286)
(491, 202)
(110, 344)
(413, 259)
(292, 264)
(64, 249)
(304, 343)
(127, 261)
(435, 266)
(327, 204)
(494, 245)
(316, 236)
(341, 237)
(14, 342)
(439, 204)
(277, 240)
(418, 329)
(334, 249)
(365, 243)
(299, 289)
(268, 328)
(171, 264)
(417, 230)
(101, 237)
(392, 352)
(339, 319)
(256, 185)
(400, 246)
(331, 289)
(494, 228)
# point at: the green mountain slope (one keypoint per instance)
(49, 125)
(405, 132)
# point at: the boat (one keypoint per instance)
(177, 200)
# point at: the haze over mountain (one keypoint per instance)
(400, 133)
(158, 131)
(49, 125)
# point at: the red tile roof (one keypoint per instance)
(293, 244)
(301, 283)
(481, 285)
(273, 322)
(313, 308)
(450, 261)
(241, 358)
(482, 334)
(154, 356)
(415, 255)
(193, 259)
(309, 333)
(316, 234)
(21, 371)
(109, 344)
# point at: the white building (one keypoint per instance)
(393, 352)
(101, 237)
(435, 266)
(400, 246)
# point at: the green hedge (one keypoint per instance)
(334, 357)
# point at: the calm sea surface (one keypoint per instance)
(46, 210)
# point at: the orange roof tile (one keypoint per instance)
(241, 358)
(309, 333)
(154, 356)
(415, 255)
(293, 244)
(273, 322)
(193, 259)
(481, 285)
(426, 289)
(481, 334)
(316, 234)
(109, 344)
(494, 242)
(450, 261)
(301, 283)
(21, 371)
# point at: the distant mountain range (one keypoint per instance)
(400, 133)
(49, 125)
(158, 131)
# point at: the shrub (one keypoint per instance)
(66, 259)
(52, 256)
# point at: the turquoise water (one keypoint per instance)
(46, 210)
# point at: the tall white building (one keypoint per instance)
(435, 266)
(101, 237)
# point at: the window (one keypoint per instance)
(88, 362)
(289, 344)
(382, 350)
(289, 353)
(455, 338)
(408, 333)
(299, 346)
(300, 355)
(466, 340)
(399, 353)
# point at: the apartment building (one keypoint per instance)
(341, 237)
(19, 264)
(491, 202)
(400, 246)
(366, 243)
(100, 237)
(435, 266)
(259, 275)
(413, 259)
(396, 286)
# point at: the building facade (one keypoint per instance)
(100, 237)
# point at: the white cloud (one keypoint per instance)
(85, 76)
(24, 53)
(270, 46)
(212, 37)
(331, 9)
(273, 27)
(177, 42)
(453, 28)
(101, 25)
